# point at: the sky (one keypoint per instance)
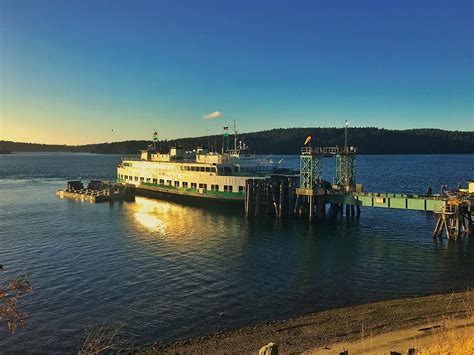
(89, 71)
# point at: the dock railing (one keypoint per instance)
(328, 150)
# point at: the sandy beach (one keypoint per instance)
(375, 327)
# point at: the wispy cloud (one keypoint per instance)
(212, 115)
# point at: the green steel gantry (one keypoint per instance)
(345, 168)
(310, 168)
(454, 212)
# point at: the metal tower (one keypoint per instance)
(345, 168)
(310, 168)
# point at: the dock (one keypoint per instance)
(96, 191)
(309, 196)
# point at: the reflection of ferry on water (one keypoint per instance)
(200, 173)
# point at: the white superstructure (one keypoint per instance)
(199, 173)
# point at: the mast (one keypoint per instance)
(235, 137)
(345, 134)
(155, 138)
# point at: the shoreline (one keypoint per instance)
(314, 332)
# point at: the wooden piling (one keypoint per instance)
(290, 198)
(281, 199)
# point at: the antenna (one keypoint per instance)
(345, 134)
(235, 137)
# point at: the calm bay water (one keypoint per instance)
(167, 270)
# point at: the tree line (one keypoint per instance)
(369, 140)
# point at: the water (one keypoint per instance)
(167, 270)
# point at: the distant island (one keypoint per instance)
(289, 140)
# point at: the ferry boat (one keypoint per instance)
(199, 173)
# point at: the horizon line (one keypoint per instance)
(218, 134)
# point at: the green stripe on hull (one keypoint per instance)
(190, 192)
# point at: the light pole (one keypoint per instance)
(345, 134)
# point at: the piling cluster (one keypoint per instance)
(456, 218)
(270, 197)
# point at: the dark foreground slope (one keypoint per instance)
(289, 141)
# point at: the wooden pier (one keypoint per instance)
(271, 196)
(96, 191)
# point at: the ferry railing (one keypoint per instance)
(131, 157)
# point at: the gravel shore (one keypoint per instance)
(316, 330)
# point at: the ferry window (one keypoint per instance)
(208, 169)
(155, 181)
(136, 178)
(185, 184)
(193, 185)
(214, 169)
(203, 186)
(241, 189)
(214, 187)
(176, 184)
(142, 178)
(230, 188)
(203, 169)
(227, 188)
(168, 182)
(148, 179)
(162, 182)
(193, 168)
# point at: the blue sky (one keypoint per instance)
(92, 71)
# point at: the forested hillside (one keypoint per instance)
(289, 140)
